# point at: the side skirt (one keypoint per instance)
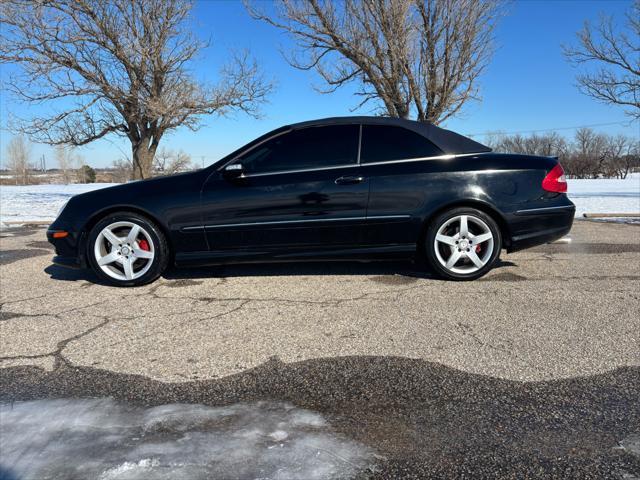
(218, 257)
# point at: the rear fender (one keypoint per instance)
(476, 203)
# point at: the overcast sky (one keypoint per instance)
(528, 85)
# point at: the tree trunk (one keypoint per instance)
(402, 110)
(142, 160)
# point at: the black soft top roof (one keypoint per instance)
(446, 140)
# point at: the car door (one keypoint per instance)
(300, 188)
(401, 182)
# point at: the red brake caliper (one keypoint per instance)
(478, 248)
(144, 245)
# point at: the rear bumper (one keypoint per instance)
(541, 225)
(546, 211)
(538, 238)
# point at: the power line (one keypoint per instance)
(547, 129)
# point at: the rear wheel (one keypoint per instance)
(127, 249)
(463, 244)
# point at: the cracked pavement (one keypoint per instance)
(534, 368)
(552, 312)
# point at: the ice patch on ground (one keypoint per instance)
(102, 439)
(130, 469)
(631, 444)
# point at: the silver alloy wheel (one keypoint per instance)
(120, 253)
(463, 244)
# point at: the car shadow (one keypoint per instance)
(406, 269)
(423, 419)
(56, 272)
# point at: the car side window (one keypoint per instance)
(382, 143)
(307, 148)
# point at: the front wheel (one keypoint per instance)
(463, 244)
(126, 249)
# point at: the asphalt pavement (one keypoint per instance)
(532, 371)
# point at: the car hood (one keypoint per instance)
(146, 196)
(163, 183)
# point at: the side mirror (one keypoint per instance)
(235, 170)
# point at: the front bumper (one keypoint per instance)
(67, 249)
(69, 262)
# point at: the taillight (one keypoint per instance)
(555, 180)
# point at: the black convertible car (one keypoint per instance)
(339, 188)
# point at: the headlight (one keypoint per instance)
(62, 208)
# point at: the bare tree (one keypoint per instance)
(78, 165)
(125, 67)
(19, 159)
(616, 57)
(588, 155)
(168, 162)
(65, 160)
(630, 160)
(508, 143)
(622, 156)
(548, 144)
(121, 170)
(419, 58)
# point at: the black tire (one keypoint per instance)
(160, 248)
(442, 219)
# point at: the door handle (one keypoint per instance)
(349, 180)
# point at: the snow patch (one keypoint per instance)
(38, 202)
(102, 439)
(605, 195)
